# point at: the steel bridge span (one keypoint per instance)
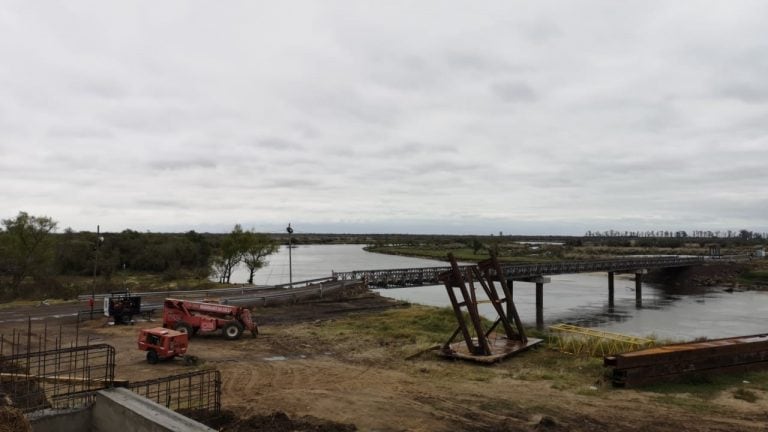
(392, 278)
(537, 273)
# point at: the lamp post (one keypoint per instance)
(290, 263)
(99, 239)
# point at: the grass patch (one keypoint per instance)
(696, 394)
(690, 404)
(745, 395)
(754, 276)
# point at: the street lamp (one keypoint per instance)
(290, 264)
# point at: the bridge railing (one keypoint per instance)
(404, 276)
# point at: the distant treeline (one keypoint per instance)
(743, 234)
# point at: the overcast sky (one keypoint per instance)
(419, 117)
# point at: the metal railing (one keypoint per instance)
(429, 275)
(240, 289)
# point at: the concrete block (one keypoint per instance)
(121, 409)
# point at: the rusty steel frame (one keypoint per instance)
(478, 344)
(672, 362)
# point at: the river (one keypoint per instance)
(580, 299)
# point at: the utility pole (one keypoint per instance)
(95, 267)
(290, 264)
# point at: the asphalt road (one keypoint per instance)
(256, 297)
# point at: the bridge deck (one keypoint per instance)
(428, 275)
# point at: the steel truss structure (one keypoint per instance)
(480, 343)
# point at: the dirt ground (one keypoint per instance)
(307, 371)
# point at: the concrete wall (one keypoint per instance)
(122, 410)
(61, 421)
(116, 409)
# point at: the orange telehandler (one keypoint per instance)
(197, 316)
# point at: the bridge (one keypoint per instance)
(536, 273)
(403, 277)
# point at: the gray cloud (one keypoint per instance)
(514, 92)
(551, 117)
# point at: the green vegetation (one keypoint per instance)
(696, 393)
(248, 247)
(758, 275)
(524, 252)
(36, 263)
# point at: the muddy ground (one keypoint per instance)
(308, 371)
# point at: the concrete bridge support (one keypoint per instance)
(610, 289)
(540, 281)
(639, 287)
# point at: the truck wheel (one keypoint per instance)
(152, 357)
(233, 330)
(185, 328)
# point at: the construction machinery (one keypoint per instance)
(122, 306)
(198, 316)
(162, 344)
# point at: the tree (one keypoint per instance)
(476, 246)
(256, 249)
(26, 248)
(229, 255)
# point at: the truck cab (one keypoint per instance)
(162, 344)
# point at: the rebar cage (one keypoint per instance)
(59, 378)
(193, 391)
(39, 371)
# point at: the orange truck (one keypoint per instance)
(162, 344)
(197, 316)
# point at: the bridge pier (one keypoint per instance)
(639, 287)
(610, 289)
(540, 281)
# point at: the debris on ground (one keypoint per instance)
(277, 421)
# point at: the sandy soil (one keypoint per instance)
(293, 369)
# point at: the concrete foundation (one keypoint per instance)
(117, 409)
(61, 420)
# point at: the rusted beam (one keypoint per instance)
(674, 361)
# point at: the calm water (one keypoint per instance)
(580, 299)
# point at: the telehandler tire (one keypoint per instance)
(184, 328)
(233, 330)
